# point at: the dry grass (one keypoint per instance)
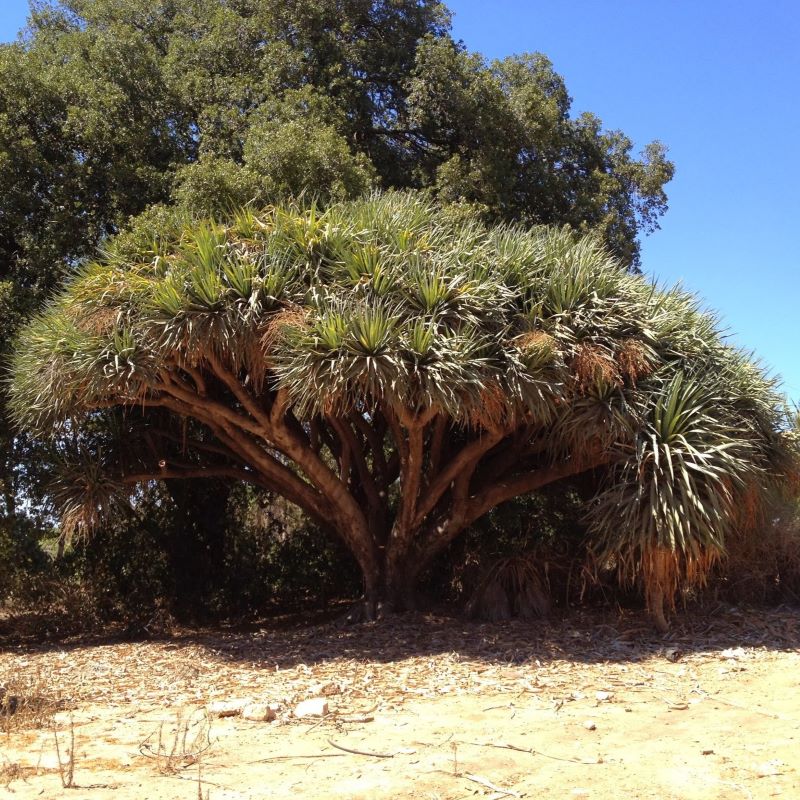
(762, 568)
(182, 746)
(455, 703)
(66, 768)
(27, 700)
(10, 771)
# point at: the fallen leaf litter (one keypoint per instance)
(375, 667)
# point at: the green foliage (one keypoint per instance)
(212, 185)
(545, 526)
(299, 145)
(384, 308)
(274, 557)
(503, 140)
(154, 562)
(111, 110)
(107, 107)
(22, 560)
(124, 573)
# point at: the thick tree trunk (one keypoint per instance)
(404, 570)
(400, 587)
(439, 512)
(389, 586)
(398, 485)
(655, 605)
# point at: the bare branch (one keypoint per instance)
(249, 403)
(347, 437)
(177, 473)
(466, 459)
(530, 482)
(373, 432)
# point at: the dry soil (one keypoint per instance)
(583, 706)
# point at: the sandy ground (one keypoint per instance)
(585, 706)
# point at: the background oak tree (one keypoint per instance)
(112, 108)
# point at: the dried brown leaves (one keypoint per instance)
(381, 664)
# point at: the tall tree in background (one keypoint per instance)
(108, 107)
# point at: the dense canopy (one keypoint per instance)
(111, 107)
(398, 370)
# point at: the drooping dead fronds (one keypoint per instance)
(512, 587)
(101, 321)
(593, 365)
(750, 509)
(634, 360)
(540, 348)
(294, 318)
(762, 563)
(492, 409)
(85, 493)
(663, 573)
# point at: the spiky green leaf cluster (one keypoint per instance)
(385, 301)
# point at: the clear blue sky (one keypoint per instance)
(719, 82)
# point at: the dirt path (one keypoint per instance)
(587, 707)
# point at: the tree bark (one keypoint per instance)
(396, 485)
(655, 605)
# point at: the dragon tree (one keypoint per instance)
(397, 372)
